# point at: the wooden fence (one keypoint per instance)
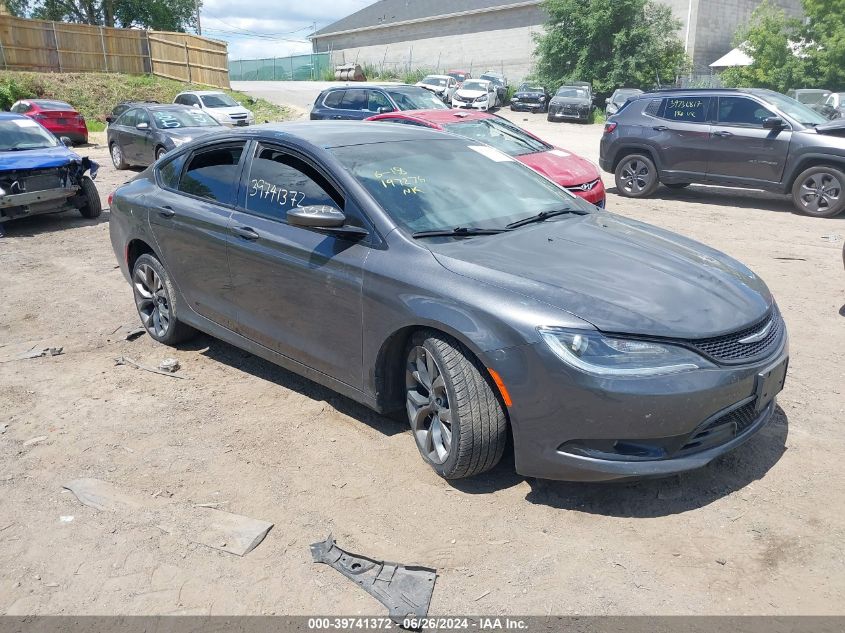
(45, 46)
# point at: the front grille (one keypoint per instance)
(729, 349)
(238, 116)
(723, 429)
(586, 186)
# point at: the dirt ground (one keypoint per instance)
(758, 532)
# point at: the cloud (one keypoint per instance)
(262, 28)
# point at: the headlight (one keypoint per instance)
(593, 353)
(180, 140)
(481, 98)
(542, 98)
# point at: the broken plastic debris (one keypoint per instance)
(405, 590)
(39, 353)
(169, 365)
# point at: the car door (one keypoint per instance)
(120, 129)
(189, 217)
(353, 106)
(145, 140)
(298, 290)
(132, 138)
(743, 151)
(680, 133)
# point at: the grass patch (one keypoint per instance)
(95, 94)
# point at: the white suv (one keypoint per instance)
(218, 105)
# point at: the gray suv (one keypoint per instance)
(756, 139)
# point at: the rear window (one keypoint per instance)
(54, 105)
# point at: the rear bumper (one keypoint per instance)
(572, 426)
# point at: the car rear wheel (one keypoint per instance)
(818, 192)
(92, 207)
(458, 422)
(154, 294)
(636, 176)
(117, 157)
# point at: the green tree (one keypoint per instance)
(768, 39)
(824, 38)
(610, 43)
(165, 15)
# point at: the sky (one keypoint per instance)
(271, 28)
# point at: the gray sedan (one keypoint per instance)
(143, 134)
(421, 272)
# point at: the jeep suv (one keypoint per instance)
(755, 139)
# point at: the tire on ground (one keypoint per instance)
(833, 209)
(177, 331)
(92, 207)
(650, 187)
(479, 426)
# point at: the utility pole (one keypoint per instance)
(199, 24)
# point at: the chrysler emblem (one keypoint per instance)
(757, 336)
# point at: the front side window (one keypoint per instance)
(212, 173)
(128, 118)
(142, 117)
(742, 111)
(690, 109)
(378, 100)
(279, 182)
(501, 135)
(444, 184)
(24, 134)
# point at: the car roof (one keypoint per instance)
(440, 116)
(328, 134)
(370, 84)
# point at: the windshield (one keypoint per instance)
(795, 109)
(22, 134)
(503, 136)
(172, 119)
(529, 88)
(416, 99)
(218, 100)
(573, 93)
(492, 78)
(434, 81)
(475, 84)
(458, 76)
(443, 184)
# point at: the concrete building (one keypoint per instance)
(479, 35)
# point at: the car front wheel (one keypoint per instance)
(154, 294)
(92, 207)
(458, 422)
(636, 176)
(117, 157)
(818, 192)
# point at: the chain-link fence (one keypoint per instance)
(295, 67)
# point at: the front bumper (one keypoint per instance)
(563, 113)
(595, 195)
(530, 106)
(477, 105)
(572, 426)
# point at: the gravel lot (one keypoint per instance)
(758, 532)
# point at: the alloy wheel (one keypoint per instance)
(151, 299)
(819, 192)
(635, 176)
(428, 405)
(116, 155)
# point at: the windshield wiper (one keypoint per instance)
(460, 231)
(545, 215)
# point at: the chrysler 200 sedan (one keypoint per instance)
(415, 270)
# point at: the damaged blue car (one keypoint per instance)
(39, 174)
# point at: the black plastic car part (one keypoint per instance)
(405, 590)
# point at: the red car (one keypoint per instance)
(576, 174)
(459, 75)
(57, 116)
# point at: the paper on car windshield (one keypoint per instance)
(491, 153)
(559, 152)
(24, 123)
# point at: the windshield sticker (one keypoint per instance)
(275, 193)
(398, 177)
(491, 153)
(561, 153)
(24, 122)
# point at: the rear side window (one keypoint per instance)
(212, 174)
(691, 109)
(333, 99)
(354, 100)
(278, 182)
(169, 172)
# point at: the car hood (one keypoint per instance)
(37, 158)
(431, 87)
(563, 167)
(836, 127)
(470, 94)
(570, 101)
(620, 275)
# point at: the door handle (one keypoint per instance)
(660, 128)
(723, 134)
(166, 212)
(245, 232)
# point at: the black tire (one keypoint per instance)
(117, 157)
(160, 151)
(477, 424)
(150, 308)
(92, 207)
(636, 176)
(549, 117)
(676, 185)
(818, 191)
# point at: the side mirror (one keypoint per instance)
(65, 141)
(109, 118)
(142, 126)
(323, 218)
(385, 109)
(607, 101)
(773, 123)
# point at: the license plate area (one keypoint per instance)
(770, 383)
